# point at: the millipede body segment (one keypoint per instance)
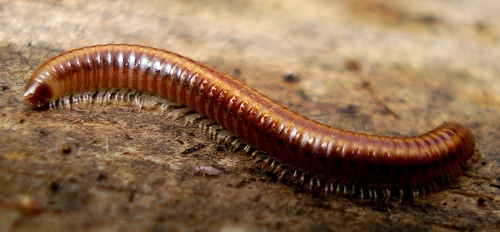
(344, 157)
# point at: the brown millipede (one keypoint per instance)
(343, 159)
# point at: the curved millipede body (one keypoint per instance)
(343, 157)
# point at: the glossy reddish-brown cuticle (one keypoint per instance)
(357, 158)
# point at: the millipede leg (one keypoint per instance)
(401, 195)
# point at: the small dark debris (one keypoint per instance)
(321, 227)
(304, 95)
(483, 163)
(131, 196)
(350, 110)
(66, 148)
(365, 85)
(242, 183)
(220, 149)
(352, 65)
(194, 148)
(102, 176)
(381, 111)
(42, 132)
(54, 186)
(481, 201)
(495, 186)
(22, 121)
(180, 141)
(129, 137)
(479, 26)
(257, 198)
(279, 225)
(237, 71)
(4, 87)
(291, 78)
(30, 44)
(298, 211)
(429, 19)
(158, 182)
(124, 208)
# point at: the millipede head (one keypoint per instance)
(37, 93)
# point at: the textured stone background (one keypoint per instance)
(421, 63)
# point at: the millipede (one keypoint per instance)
(339, 161)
